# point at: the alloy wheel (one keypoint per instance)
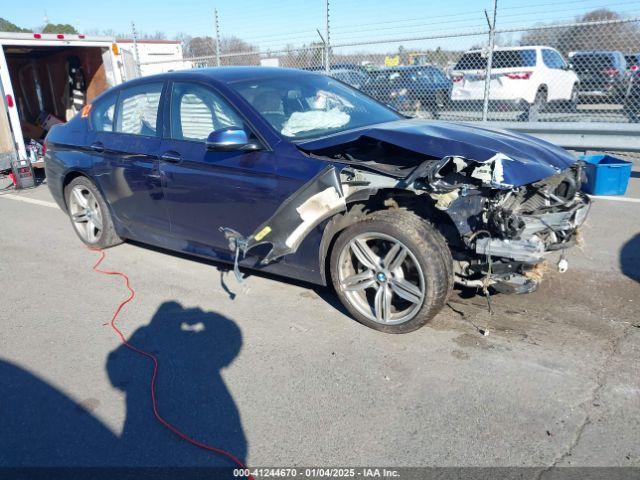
(86, 214)
(381, 278)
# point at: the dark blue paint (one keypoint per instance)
(533, 159)
(179, 204)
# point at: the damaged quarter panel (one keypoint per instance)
(317, 200)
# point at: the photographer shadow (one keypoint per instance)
(192, 346)
(42, 427)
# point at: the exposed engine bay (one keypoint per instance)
(509, 229)
(504, 224)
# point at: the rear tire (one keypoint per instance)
(393, 271)
(89, 214)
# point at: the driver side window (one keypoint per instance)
(196, 111)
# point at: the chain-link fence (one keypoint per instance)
(573, 72)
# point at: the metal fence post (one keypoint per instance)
(492, 44)
(217, 24)
(327, 43)
(136, 54)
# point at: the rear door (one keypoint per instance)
(8, 153)
(206, 189)
(558, 79)
(127, 139)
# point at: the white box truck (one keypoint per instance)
(46, 79)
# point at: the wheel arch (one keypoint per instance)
(543, 88)
(368, 201)
(70, 176)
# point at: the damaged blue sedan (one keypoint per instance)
(300, 175)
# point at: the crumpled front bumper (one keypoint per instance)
(542, 233)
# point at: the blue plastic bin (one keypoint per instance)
(606, 175)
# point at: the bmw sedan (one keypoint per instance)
(300, 175)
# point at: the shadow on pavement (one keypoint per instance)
(42, 427)
(630, 258)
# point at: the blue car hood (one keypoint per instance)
(528, 159)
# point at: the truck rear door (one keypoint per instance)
(7, 144)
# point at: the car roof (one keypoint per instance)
(597, 52)
(404, 68)
(526, 47)
(357, 70)
(225, 74)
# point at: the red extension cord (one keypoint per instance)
(151, 357)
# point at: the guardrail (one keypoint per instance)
(620, 137)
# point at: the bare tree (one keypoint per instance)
(158, 35)
(206, 47)
(610, 36)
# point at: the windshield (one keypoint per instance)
(501, 59)
(309, 105)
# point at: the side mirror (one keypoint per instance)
(230, 139)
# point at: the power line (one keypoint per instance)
(476, 19)
(461, 14)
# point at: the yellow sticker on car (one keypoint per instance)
(263, 233)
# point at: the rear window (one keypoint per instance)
(592, 61)
(501, 59)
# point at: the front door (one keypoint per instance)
(207, 189)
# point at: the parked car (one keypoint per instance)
(410, 88)
(298, 174)
(603, 75)
(357, 78)
(524, 77)
(633, 62)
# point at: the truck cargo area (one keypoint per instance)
(42, 83)
(48, 83)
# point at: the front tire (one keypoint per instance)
(393, 271)
(90, 214)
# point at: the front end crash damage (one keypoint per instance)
(507, 230)
(510, 210)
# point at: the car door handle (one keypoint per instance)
(97, 147)
(171, 157)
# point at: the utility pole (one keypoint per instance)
(217, 24)
(136, 54)
(327, 43)
(492, 45)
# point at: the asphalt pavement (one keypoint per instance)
(278, 374)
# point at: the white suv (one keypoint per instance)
(527, 76)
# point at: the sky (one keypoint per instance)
(272, 24)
